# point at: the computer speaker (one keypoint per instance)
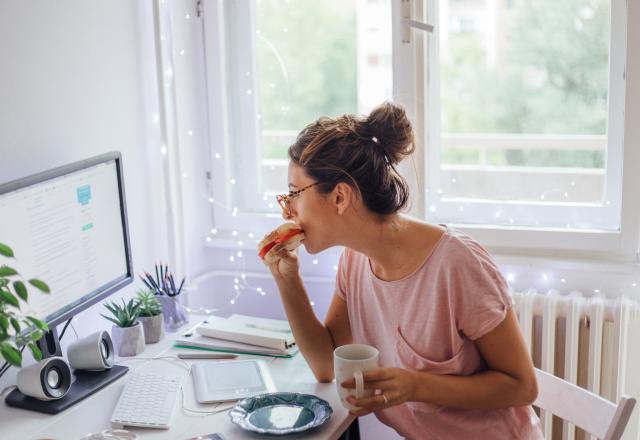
(49, 379)
(94, 352)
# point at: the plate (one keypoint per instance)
(280, 413)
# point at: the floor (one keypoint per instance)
(372, 429)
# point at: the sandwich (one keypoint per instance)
(287, 234)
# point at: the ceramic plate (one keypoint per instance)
(280, 413)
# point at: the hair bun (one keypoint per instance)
(389, 125)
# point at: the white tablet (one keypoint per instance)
(231, 380)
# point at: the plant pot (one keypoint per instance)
(175, 315)
(129, 341)
(153, 327)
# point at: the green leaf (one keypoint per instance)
(10, 298)
(40, 285)
(111, 319)
(21, 290)
(6, 271)
(11, 354)
(15, 324)
(35, 351)
(39, 324)
(6, 250)
(4, 322)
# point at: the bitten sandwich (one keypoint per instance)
(288, 234)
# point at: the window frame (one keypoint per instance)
(620, 245)
(408, 90)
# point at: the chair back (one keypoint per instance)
(587, 410)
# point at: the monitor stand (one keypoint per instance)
(85, 384)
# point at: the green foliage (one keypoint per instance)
(551, 78)
(148, 303)
(125, 315)
(307, 62)
(17, 330)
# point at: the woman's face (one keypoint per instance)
(310, 210)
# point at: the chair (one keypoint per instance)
(583, 408)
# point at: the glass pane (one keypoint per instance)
(523, 99)
(316, 59)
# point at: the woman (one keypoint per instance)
(453, 361)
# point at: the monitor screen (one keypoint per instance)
(67, 227)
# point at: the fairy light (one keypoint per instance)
(511, 277)
(190, 133)
(315, 261)
(218, 156)
(233, 181)
(214, 231)
(163, 150)
(234, 233)
(211, 200)
(182, 52)
(209, 239)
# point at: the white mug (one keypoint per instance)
(350, 361)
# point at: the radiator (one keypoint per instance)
(590, 341)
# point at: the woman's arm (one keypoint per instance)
(315, 340)
(509, 381)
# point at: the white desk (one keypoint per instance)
(93, 413)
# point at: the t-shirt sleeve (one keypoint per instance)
(481, 293)
(341, 277)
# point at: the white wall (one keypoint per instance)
(77, 80)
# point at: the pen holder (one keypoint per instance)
(175, 315)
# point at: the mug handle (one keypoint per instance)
(359, 384)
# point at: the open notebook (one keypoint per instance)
(242, 334)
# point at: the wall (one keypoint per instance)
(77, 80)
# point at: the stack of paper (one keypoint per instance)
(242, 334)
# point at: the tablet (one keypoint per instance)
(231, 380)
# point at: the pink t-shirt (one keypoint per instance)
(428, 321)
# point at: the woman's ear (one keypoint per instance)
(342, 197)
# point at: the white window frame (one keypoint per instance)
(227, 216)
(620, 245)
(408, 89)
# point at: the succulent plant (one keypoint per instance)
(148, 303)
(125, 315)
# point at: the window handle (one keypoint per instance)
(417, 24)
(408, 23)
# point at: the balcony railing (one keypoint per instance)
(483, 180)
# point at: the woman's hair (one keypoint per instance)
(360, 151)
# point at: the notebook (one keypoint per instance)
(263, 332)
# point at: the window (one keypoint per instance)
(285, 64)
(522, 127)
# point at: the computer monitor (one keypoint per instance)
(68, 227)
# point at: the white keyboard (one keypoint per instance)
(147, 400)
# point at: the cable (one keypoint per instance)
(64, 329)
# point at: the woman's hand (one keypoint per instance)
(395, 386)
(286, 264)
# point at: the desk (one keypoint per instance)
(93, 413)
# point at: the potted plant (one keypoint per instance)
(127, 333)
(151, 316)
(13, 289)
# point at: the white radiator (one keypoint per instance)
(593, 342)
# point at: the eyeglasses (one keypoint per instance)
(284, 199)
